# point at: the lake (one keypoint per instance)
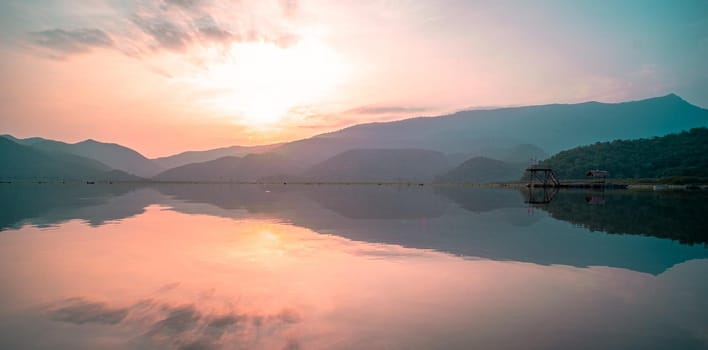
(176, 266)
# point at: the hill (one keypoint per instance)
(237, 169)
(21, 162)
(675, 155)
(111, 154)
(188, 157)
(481, 170)
(380, 165)
(496, 132)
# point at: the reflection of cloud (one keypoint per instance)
(80, 311)
(178, 320)
(185, 326)
(168, 287)
(388, 254)
(216, 327)
(292, 344)
(66, 42)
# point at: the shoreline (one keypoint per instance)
(610, 186)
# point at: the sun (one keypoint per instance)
(259, 83)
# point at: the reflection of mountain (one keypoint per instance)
(379, 202)
(470, 221)
(251, 198)
(481, 199)
(478, 222)
(679, 216)
(51, 204)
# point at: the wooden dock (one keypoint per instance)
(579, 185)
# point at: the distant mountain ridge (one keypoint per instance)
(488, 133)
(385, 165)
(511, 135)
(482, 170)
(188, 157)
(22, 162)
(113, 155)
(231, 169)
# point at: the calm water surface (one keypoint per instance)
(350, 267)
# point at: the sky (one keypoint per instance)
(166, 76)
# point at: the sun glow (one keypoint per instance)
(259, 84)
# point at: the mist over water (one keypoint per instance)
(358, 267)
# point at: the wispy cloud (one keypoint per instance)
(66, 42)
(207, 27)
(166, 34)
(290, 7)
(188, 4)
(175, 26)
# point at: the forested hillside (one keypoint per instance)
(675, 155)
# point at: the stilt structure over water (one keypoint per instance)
(542, 177)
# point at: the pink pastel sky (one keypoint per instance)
(167, 76)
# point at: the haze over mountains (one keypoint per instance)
(416, 149)
(235, 169)
(387, 165)
(188, 157)
(481, 170)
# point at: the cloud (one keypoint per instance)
(80, 311)
(290, 7)
(176, 26)
(167, 34)
(187, 4)
(209, 29)
(65, 42)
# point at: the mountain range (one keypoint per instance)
(487, 145)
(188, 157)
(494, 133)
(26, 162)
(249, 168)
(112, 155)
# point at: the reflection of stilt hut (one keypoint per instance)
(598, 176)
(542, 196)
